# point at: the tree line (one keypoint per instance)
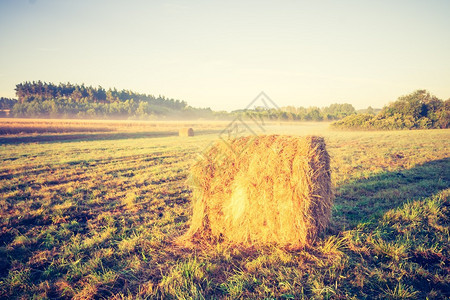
(7, 103)
(66, 100)
(40, 91)
(418, 110)
(291, 113)
(42, 99)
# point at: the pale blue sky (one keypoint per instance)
(221, 54)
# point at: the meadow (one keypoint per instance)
(93, 211)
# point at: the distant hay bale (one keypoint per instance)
(186, 132)
(265, 190)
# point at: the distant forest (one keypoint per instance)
(41, 99)
(7, 103)
(65, 100)
(418, 110)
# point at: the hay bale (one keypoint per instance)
(265, 190)
(187, 131)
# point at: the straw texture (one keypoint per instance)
(186, 132)
(264, 190)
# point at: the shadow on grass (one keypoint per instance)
(104, 136)
(368, 199)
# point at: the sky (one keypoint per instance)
(222, 54)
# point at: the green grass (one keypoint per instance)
(96, 217)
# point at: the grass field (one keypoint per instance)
(95, 214)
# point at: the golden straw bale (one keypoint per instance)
(264, 190)
(186, 131)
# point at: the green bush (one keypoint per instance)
(418, 110)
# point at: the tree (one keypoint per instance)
(413, 105)
(7, 103)
(419, 109)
